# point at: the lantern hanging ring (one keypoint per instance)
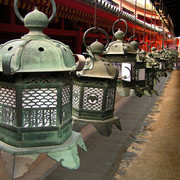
(148, 47)
(133, 37)
(154, 42)
(96, 29)
(88, 47)
(116, 23)
(22, 19)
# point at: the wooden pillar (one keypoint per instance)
(101, 37)
(62, 23)
(13, 17)
(78, 41)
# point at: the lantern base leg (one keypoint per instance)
(104, 127)
(16, 166)
(16, 161)
(123, 91)
(139, 91)
(149, 92)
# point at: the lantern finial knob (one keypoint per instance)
(153, 48)
(36, 21)
(97, 47)
(134, 44)
(119, 34)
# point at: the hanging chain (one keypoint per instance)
(163, 25)
(120, 8)
(163, 34)
(160, 34)
(155, 20)
(95, 15)
(144, 28)
(134, 30)
(151, 22)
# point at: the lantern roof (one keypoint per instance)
(120, 47)
(35, 52)
(100, 67)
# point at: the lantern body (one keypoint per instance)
(36, 97)
(94, 93)
(152, 68)
(93, 98)
(142, 75)
(157, 55)
(35, 109)
(123, 56)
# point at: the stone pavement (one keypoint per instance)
(102, 159)
(158, 154)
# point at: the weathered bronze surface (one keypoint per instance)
(36, 94)
(94, 91)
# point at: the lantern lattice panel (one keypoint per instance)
(93, 98)
(76, 96)
(66, 94)
(39, 118)
(110, 99)
(8, 96)
(43, 101)
(39, 98)
(66, 105)
(7, 105)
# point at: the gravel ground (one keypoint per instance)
(155, 154)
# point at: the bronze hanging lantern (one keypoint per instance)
(140, 84)
(158, 56)
(167, 59)
(36, 95)
(122, 55)
(151, 65)
(94, 90)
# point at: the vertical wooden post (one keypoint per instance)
(62, 23)
(78, 41)
(13, 18)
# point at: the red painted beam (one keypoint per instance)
(21, 29)
(87, 8)
(13, 28)
(57, 32)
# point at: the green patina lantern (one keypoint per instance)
(152, 66)
(173, 63)
(122, 55)
(158, 56)
(36, 94)
(164, 61)
(168, 58)
(145, 73)
(94, 90)
(140, 69)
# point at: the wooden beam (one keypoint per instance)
(13, 28)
